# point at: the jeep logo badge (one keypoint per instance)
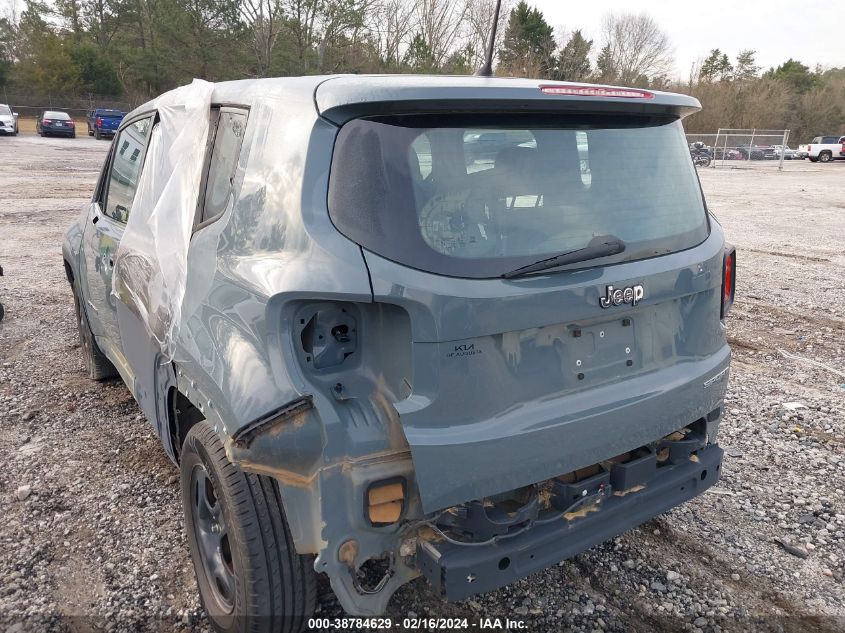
(618, 296)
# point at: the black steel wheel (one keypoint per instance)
(249, 575)
(212, 538)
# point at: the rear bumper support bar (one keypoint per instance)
(459, 571)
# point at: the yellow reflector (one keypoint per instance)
(385, 502)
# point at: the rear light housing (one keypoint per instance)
(728, 279)
(99, 122)
(70, 123)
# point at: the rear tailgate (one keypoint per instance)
(109, 123)
(570, 385)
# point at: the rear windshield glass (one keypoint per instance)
(61, 116)
(109, 115)
(479, 196)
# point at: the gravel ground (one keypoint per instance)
(91, 535)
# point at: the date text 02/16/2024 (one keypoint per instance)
(411, 624)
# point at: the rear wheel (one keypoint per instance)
(97, 134)
(249, 575)
(825, 157)
(97, 365)
(813, 159)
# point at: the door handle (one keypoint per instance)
(95, 219)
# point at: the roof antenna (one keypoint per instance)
(487, 69)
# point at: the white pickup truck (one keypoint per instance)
(823, 149)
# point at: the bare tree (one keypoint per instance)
(341, 20)
(391, 24)
(437, 26)
(479, 23)
(265, 19)
(634, 49)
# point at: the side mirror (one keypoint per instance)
(15, 114)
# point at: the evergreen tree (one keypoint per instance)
(529, 44)
(717, 66)
(798, 76)
(573, 63)
(746, 66)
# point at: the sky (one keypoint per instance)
(807, 30)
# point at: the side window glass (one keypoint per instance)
(126, 169)
(224, 161)
(102, 180)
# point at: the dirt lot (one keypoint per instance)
(91, 533)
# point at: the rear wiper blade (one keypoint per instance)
(601, 246)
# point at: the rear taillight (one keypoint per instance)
(809, 147)
(99, 122)
(70, 123)
(728, 279)
(45, 121)
(576, 90)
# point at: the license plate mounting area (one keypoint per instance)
(603, 351)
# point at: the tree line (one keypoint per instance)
(135, 49)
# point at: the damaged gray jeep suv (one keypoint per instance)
(454, 327)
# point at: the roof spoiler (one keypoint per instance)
(342, 99)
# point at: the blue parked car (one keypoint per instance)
(104, 122)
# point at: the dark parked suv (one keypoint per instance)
(393, 327)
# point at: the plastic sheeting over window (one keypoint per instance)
(151, 261)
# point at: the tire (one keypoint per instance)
(97, 365)
(90, 131)
(73, 135)
(250, 578)
(97, 134)
(825, 157)
(813, 159)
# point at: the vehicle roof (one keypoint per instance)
(109, 110)
(342, 97)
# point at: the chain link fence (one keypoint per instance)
(78, 106)
(739, 147)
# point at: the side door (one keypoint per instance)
(107, 219)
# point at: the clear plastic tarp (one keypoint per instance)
(150, 268)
